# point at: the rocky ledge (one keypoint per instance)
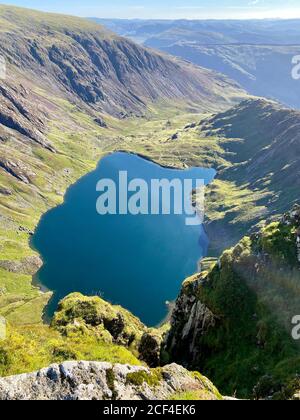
(104, 381)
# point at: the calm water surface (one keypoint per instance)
(138, 262)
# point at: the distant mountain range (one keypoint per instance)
(259, 32)
(257, 53)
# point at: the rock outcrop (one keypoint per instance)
(94, 316)
(19, 112)
(190, 320)
(104, 381)
(150, 348)
(233, 321)
(29, 265)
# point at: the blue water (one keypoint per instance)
(138, 262)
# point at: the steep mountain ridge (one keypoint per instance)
(109, 73)
(68, 83)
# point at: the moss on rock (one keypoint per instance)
(150, 347)
(152, 377)
(234, 320)
(94, 316)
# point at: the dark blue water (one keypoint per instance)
(138, 262)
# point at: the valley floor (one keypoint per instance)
(173, 137)
(76, 135)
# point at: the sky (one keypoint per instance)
(168, 9)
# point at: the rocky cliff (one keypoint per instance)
(68, 84)
(104, 381)
(234, 321)
(94, 67)
(52, 58)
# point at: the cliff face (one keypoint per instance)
(234, 321)
(53, 58)
(88, 328)
(94, 67)
(191, 319)
(68, 83)
(104, 381)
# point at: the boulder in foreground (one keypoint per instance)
(104, 381)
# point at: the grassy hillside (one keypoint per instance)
(21, 20)
(69, 84)
(235, 319)
(82, 329)
(255, 147)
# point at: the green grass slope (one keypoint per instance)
(235, 320)
(256, 148)
(68, 84)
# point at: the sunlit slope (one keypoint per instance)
(107, 72)
(258, 174)
(70, 89)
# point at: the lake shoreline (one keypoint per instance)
(39, 281)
